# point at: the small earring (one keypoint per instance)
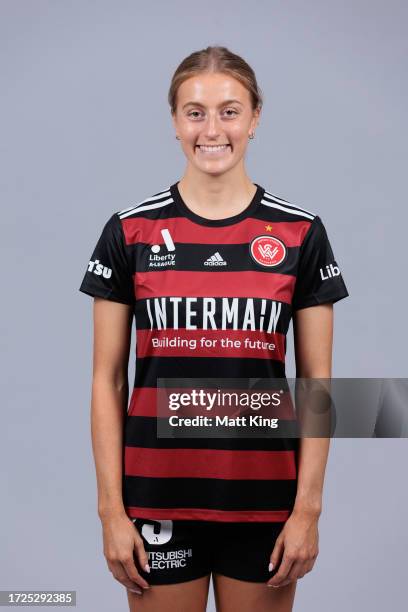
(251, 136)
(177, 138)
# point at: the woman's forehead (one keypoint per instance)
(211, 87)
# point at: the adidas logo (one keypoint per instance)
(215, 260)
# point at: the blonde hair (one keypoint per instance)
(215, 59)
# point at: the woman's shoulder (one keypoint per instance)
(153, 201)
(293, 209)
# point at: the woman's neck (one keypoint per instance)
(216, 197)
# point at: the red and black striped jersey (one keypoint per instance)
(186, 277)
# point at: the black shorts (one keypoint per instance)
(181, 550)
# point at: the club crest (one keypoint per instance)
(268, 251)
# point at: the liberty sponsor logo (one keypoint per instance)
(158, 261)
(329, 271)
(215, 260)
(99, 269)
(268, 251)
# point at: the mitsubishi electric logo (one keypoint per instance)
(158, 261)
(99, 269)
(215, 260)
(159, 534)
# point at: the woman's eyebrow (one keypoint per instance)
(232, 101)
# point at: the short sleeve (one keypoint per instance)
(319, 279)
(108, 273)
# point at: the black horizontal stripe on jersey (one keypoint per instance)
(144, 322)
(210, 493)
(141, 431)
(148, 369)
(191, 257)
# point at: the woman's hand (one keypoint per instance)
(298, 542)
(120, 539)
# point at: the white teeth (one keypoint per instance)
(210, 148)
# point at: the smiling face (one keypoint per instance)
(213, 120)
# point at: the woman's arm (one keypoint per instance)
(112, 336)
(112, 329)
(313, 338)
(298, 540)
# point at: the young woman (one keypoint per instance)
(213, 268)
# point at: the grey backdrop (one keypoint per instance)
(86, 131)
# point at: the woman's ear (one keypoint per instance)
(173, 118)
(256, 118)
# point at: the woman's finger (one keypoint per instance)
(297, 571)
(141, 554)
(276, 553)
(121, 576)
(282, 584)
(129, 566)
(283, 571)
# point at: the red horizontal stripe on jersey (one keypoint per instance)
(148, 231)
(204, 514)
(143, 403)
(209, 463)
(145, 346)
(183, 283)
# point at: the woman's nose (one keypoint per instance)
(212, 127)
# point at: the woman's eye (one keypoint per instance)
(229, 111)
